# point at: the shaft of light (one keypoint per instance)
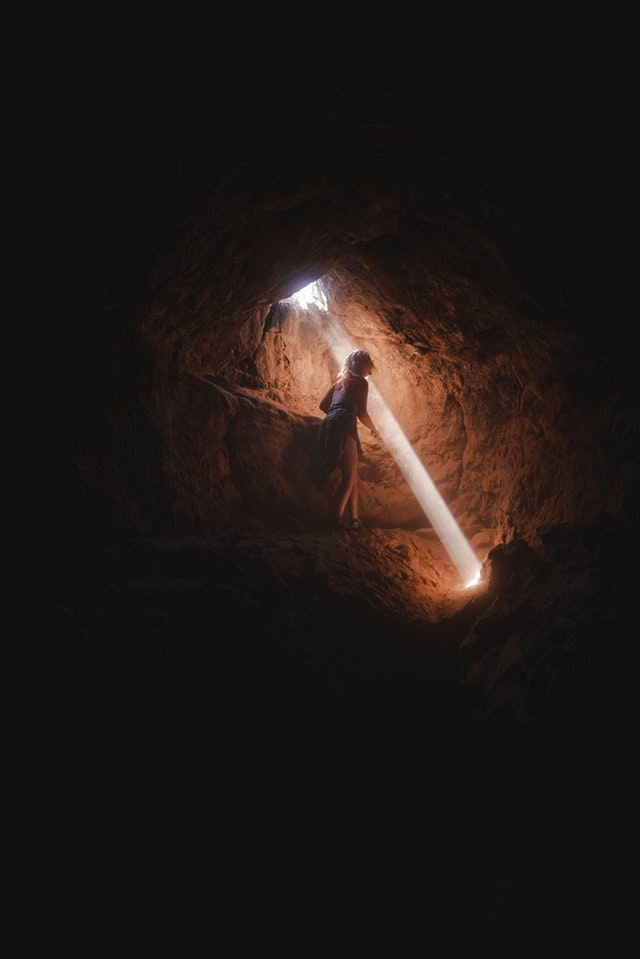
(424, 489)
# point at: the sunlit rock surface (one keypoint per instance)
(339, 700)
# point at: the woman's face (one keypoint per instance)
(367, 366)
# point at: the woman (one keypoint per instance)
(344, 403)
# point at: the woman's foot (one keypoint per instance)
(356, 524)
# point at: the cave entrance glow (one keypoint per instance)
(423, 487)
(312, 294)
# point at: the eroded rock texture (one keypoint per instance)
(339, 703)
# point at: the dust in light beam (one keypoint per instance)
(423, 487)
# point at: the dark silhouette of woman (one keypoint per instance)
(344, 403)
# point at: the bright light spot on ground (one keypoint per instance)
(437, 511)
(474, 581)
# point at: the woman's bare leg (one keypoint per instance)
(352, 502)
(347, 491)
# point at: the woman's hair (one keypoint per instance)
(354, 364)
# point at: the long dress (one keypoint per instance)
(341, 420)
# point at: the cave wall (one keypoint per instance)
(511, 411)
(496, 338)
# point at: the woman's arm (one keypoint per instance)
(368, 422)
(363, 414)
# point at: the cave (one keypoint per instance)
(364, 754)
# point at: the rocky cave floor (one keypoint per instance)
(275, 718)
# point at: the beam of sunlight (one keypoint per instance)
(425, 491)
